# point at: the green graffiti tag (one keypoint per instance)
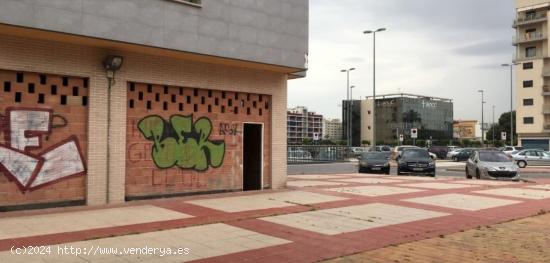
(182, 143)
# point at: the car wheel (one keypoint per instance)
(522, 164)
(478, 174)
(399, 172)
(468, 176)
(455, 159)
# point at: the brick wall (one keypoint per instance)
(78, 61)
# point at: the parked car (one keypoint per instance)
(398, 149)
(374, 162)
(531, 157)
(462, 155)
(452, 148)
(299, 155)
(416, 161)
(491, 164)
(380, 148)
(358, 151)
(453, 152)
(440, 151)
(509, 149)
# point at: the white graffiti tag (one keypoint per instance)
(26, 128)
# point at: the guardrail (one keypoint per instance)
(303, 154)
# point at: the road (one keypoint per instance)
(351, 167)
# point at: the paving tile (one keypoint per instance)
(369, 180)
(264, 201)
(353, 218)
(518, 192)
(418, 178)
(461, 201)
(16, 227)
(439, 186)
(305, 183)
(485, 182)
(542, 186)
(220, 242)
(315, 177)
(374, 190)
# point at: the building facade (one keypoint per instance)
(532, 72)
(332, 129)
(303, 124)
(107, 101)
(351, 120)
(397, 114)
(467, 129)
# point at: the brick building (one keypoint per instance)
(192, 108)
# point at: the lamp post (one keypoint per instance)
(511, 101)
(482, 118)
(348, 134)
(493, 125)
(351, 113)
(374, 81)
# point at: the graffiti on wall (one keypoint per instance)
(24, 129)
(229, 129)
(180, 142)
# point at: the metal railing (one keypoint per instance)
(529, 18)
(302, 154)
(531, 36)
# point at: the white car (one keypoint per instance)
(508, 150)
(454, 152)
(531, 157)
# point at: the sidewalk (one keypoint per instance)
(522, 240)
(319, 217)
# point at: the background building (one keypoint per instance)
(398, 113)
(532, 73)
(198, 104)
(303, 124)
(351, 109)
(332, 129)
(467, 129)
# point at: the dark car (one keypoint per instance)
(463, 155)
(415, 161)
(374, 162)
(439, 151)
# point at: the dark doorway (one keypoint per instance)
(252, 157)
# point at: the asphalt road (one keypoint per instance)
(335, 168)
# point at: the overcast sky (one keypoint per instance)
(443, 48)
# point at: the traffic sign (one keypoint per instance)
(503, 136)
(401, 137)
(414, 133)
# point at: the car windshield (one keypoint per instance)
(519, 148)
(416, 154)
(374, 156)
(493, 157)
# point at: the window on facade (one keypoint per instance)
(528, 65)
(528, 84)
(530, 52)
(527, 102)
(528, 120)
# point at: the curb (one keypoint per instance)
(522, 171)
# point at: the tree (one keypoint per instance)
(503, 125)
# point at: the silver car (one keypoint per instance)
(490, 164)
(531, 157)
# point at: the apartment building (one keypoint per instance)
(532, 70)
(303, 124)
(105, 101)
(332, 129)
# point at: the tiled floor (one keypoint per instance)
(369, 180)
(374, 190)
(318, 221)
(352, 218)
(518, 192)
(305, 183)
(313, 177)
(264, 201)
(76, 221)
(439, 186)
(201, 241)
(461, 201)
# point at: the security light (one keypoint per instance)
(112, 63)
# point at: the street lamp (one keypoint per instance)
(374, 82)
(493, 125)
(511, 101)
(351, 112)
(348, 135)
(482, 119)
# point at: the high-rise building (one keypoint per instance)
(303, 124)
(532, 72)
(397, 114)
(332, 129)
(108, 101)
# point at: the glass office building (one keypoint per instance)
(397, 114)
